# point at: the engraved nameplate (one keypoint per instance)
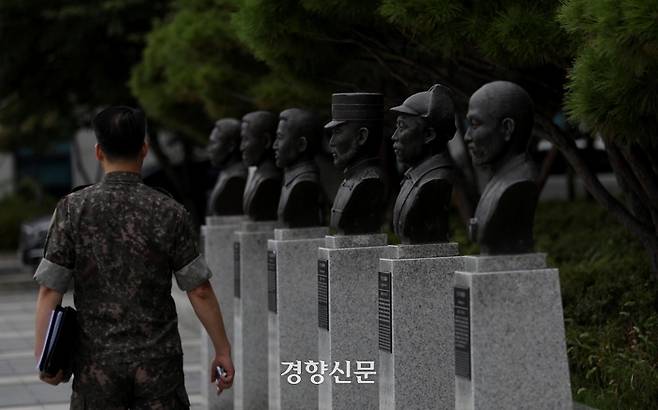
(323, 294)
(462, 332)
(236, 268)
(271, 281)
(385, 313)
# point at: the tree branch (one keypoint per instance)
(642, 169)
(546, 166)
(627, 181)
(594, 186)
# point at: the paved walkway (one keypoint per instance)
(20, 388)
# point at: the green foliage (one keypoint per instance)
(524, 35)
(283, 34)
(613, 87)
(61, 59)
(437, 25)
(514, 33)
(28, 202)
(610, 300)
(194, 70)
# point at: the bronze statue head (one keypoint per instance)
(500, 117)
(356, 127)
(424, 125)
(258, 131)
(224, 141)
(297, 137)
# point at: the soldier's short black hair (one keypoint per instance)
(120, 131)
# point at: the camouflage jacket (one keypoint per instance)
(120, 241)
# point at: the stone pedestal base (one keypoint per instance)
(515, 353)
(293, 313)
(218, 250)
(224, 219)
(250, 332)
(347, 316)
(416, 333)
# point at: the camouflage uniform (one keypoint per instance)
(120, 241)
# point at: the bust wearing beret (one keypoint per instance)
(224, 151)
(356, 134)
(261, 194)
(297, 140)
(425, 123)
(500, 116)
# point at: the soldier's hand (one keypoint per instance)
(226, 380)
(54, 380)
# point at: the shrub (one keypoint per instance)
(26, 203)
(610, 298)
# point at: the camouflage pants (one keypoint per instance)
(155, 384)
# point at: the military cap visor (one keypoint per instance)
(333, 123)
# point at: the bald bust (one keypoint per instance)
(297, 141)
(224, 151)
(261, 194)
(500, 116)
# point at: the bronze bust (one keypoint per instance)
(356, 132)
(224, 151)
(297, 141)
(263, 188)
(425, 124)
(500, 116)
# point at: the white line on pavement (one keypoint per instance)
(17, 354)
(16, 317)
(20, 379)
(33, 378)
(12, 334)
(195, 399)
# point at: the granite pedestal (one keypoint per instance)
(347, 320)
(250, 333)
(217, 248)
(510, 344)
(293, 313)
(416, 333)
(224, 219)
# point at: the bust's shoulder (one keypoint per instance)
(306, 177)
(437, 174)
(370, 172)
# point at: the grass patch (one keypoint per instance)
(610, 302)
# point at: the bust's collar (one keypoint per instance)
(122, 177)
(435, 161)
(292, 172)
(368, 162)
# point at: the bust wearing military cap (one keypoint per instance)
(425, 123)
(356, 132)
(297, 141)
(263, 188)
(224, 151)
(500, 116)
